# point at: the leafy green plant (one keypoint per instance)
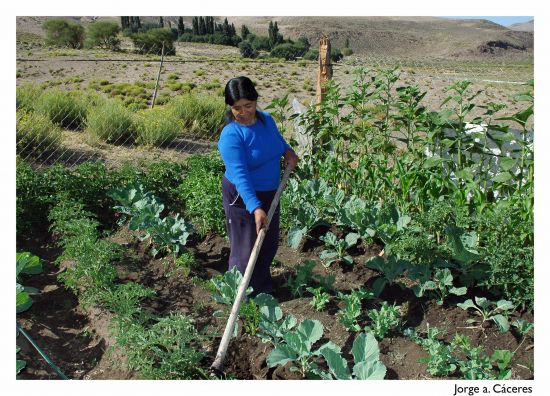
(389, 269)
(440, 359)
(320, 298)
(226, 287)
(169, 235)
(497, 311)
(337, 248)
(477, 364)
(163, 348)
(367, 365)
(440, 287)
(384, 319)
(352, 308)
(501, 358)
(297, 283)
(272, 326)
(251, 317)
(296, 347)
(26, 263)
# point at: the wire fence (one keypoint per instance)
(118, 117)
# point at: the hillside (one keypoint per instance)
(403, 37)
(523, 27)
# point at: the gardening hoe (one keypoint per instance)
(216, 367)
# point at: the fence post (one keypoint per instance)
(325, 68)
(158, 76)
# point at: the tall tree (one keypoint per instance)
(181, 26)
(244, 32)
(195, 25)
(161, 22)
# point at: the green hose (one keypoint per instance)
(42, 353)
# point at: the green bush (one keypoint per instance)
(103, 34)
(36, 135)
(111, 122)
(347, 52)
(507, 246)
(63, 33)
(27, 96)
(201, 193)
(200, 114)
(288, 51)
(63, 108)
(33, 199)
(151, 42)
(156, 127)
(247, 51)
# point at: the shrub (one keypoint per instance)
(259, 43)
(288, 51)
(247, 51)
(36, 135)
(156, 127)
(27, 96)
(202, 114)
(201, 193)
(104, 34)
(335, 55)
(63, 108)
(63, 33)
(111, 122)
(347, 52)
(151, 42)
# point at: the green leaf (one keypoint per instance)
(378, 286)
(23, 301)
(295, 236)
(458, 291)
(281, 355)
(337, 365)
(351, 239)
(365, 348)
(19, 365)
(505, 305)
(502, 323)
(27, 263)
(467, 304)
(483, 302)
(432, 162)
(460, 253)
(507, 163)
(312, 330)
(502, 177)
(369, 371)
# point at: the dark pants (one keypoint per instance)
(241, 229)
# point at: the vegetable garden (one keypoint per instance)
(406, 251)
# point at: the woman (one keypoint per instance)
(251, 147)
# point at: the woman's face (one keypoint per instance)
(244, 111)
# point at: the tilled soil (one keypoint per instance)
(79, 341)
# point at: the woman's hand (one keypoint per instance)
(260, 218)
(291, 159)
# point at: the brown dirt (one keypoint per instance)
(78, 340)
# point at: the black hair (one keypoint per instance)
(240, 88)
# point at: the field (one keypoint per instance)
(389, 227)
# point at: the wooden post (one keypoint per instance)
(325, 68)
(158, 77)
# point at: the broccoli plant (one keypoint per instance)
(302, 279)
(272, 326)
(384, 319)
(26, 263)
(352, 309)
(337, 248)
(440, 287)
(497, 311)
(320, 298)
(389, 270)
(296, 347)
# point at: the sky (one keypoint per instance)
(502, 20)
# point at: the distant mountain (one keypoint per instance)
(381, 36)
(523, 27)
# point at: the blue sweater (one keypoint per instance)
(252, 155)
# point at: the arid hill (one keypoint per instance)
(381, 36)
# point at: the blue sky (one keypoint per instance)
(502, 20)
